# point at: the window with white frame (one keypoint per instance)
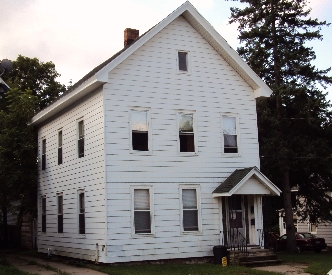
(183, 61)
(43, 213)
(230, 136)
(140, 130)
(186, 132)
(80, 141)
(59, 147)
(60, 212)
(142, 210)
(44, 154)
(81, 212)
(190, 209)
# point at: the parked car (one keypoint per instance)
(304, 242)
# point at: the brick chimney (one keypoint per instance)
(130, 35)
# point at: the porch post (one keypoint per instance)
(221, 221)
(259, 220)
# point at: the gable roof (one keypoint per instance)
(240, 177)
(99, 75)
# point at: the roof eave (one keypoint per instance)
(204, 28)
(68, 99)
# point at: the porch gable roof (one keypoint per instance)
(240, 177)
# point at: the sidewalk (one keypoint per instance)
(35, 265)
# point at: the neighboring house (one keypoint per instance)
(154, 154)
(322, 230)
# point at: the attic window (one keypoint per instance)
(183, 61)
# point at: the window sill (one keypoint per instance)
(142, 153)
(188, 154)
(231, 155)
(191, 233)
(143, 235)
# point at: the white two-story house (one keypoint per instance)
(154, 154)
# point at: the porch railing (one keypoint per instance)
(261, 234)
(234, 240)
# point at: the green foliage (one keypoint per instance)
(39, 77)
(295, 122)
(33, 86)
(17, 147)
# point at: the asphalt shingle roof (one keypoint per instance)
(232, 180)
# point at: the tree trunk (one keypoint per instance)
(290, 228)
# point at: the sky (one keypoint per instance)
(78, 35)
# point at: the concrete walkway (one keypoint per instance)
(289, 269)
(35, 265)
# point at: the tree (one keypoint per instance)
(18, 141)
(295, 122)
(37, 76)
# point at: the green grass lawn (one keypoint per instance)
(319, 263)
(180, 269)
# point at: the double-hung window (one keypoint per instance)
(230, 136)
(60, 212)
(43, 212)
(140, 130)
(80, 141)
(190, 209)
(60, 147)
(142, 211)
(81, 212)
(186, 132)
(44, 154)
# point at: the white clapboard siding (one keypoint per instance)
(75, 173)
(149, 79)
